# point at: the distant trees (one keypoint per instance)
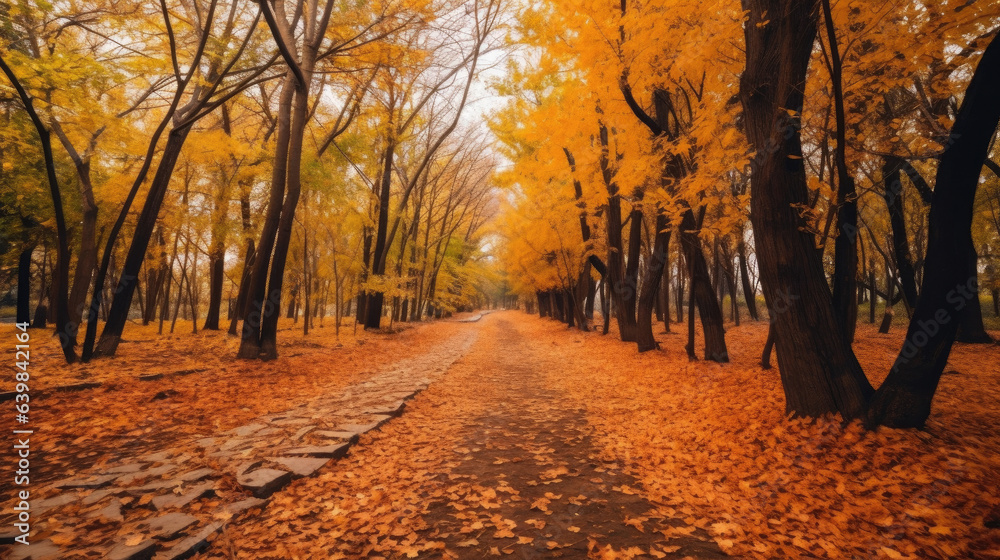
(182, 108)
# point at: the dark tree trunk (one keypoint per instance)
(970, 328)
(765, 356)
(665, 287)
(819, 372)
(86, 262)
(293, 188)
(259, 303)
(651, 284)
(890, 288)
(24, 286)
(122, 302)
(893, 194)
(65, 329)
(630, 286)
(873, 300)
(373, 314)
(845, 274)
(949, 284)
(748, 292)
(216, 273)
(709, 309)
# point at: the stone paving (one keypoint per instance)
(167, 505)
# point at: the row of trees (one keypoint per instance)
(822, 153)
(243, 151)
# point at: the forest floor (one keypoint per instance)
(542, 442)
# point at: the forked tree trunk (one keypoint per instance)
(819, 372)
(258, 304)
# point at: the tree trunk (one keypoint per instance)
(24, 286)
(651, 284)
(765, 357)
(122, 302)
(819, 372)
(749, 294)
(709, 310)
(893, 194)
(970, 327)
(259, 303)
(949, 283)
(845, 273)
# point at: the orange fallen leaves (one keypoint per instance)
(710, 444)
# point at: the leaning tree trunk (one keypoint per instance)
(65, 330)
(258, 303)
(819, 372)
(651, 284)
(949, 283)
(709, 310)
(630, 286)
(293, 188)
(122, 302)
(892, 184)
(845, 272)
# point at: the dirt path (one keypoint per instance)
(492, 460)
(565, 497)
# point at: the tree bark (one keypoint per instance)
(749, 294)
(892, 184)
(651, 284)
(709, 310)
(24, 285)
(949, 283)
(819, 372)
(122, 302)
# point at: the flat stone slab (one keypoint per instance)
(41, 550)
(358, 428)
(389, 409)
(191, 545)
(194, 476)
(57, 501)
(264, 482)
(328, 451)
(99, 481)
(244, 431)
(127, 468)
(300, 466)
(351, 437)
(141, 551)
(171, 525)
(110, 512)
(239, 507)
(303, 431)
(168, 501)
